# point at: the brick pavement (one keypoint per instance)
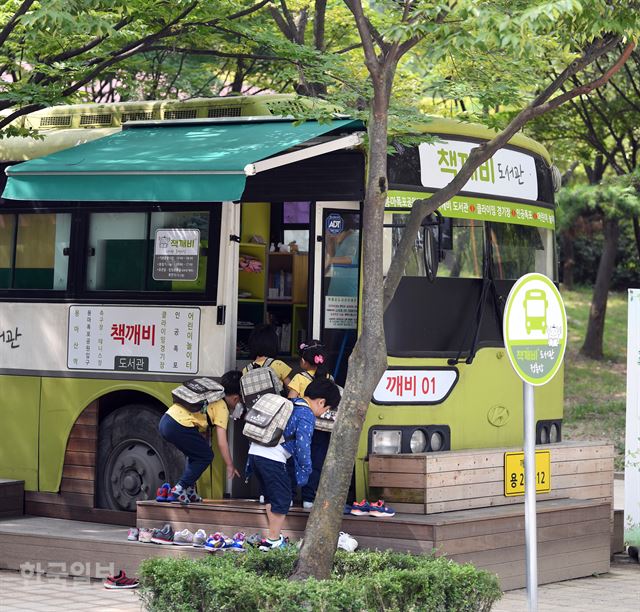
(617, 591)
(39, 593)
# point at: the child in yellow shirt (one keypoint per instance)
(186, 430)
(263, 348)
(314, 364)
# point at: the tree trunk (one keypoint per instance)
(366, 364)
(569, 259)
(592, 346)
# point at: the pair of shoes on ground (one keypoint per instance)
(155, 536)
(377, 509)
(218, 542)
(121, 581)
(180, 494)
(187, 538)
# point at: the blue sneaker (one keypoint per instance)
(215, 542)
(360, 508)
(347, 509)
(379, 510)
(268, 545)
(163, 492)
(235, 544)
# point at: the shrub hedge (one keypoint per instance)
(362, 581)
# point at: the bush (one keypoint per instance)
(360, 582)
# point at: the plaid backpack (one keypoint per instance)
(266, 419)
(196, 394)
(257, 381)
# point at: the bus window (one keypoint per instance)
(7, 231)
(461, 249)
(37, 258)
(121, 250)
(520, 249)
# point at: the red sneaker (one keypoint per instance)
(121, 581)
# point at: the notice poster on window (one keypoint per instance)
(340, 312)
(175, 254)
(132, 339)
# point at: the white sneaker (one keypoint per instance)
(199, 538)
(183, 538)
(307, 505)
(346, 542)
(261, 500)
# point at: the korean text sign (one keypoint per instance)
(136, 339)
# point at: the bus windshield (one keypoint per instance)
(519, 249)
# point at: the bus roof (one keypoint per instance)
(65, 126)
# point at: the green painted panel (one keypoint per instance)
(481, 209)
(19, 407)
(489, 381)
(63, 399)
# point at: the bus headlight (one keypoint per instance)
(386, 441)
(554, 433)
(436, 441)
(418, 442)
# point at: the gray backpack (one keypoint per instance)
(266, 419)
(196, 394)
(257, 381)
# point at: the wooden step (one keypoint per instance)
(491, 538)
(11, 498)
(74, 548)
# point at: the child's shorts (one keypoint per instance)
(274, 482)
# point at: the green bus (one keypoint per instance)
(140, 243)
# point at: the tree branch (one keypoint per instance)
(482, 153)
(13, 22)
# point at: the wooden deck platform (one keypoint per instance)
(65, 547)
(573, 535)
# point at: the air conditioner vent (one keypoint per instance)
(104, 119)
(55, 120)
(137, 116)
(189, 113)
(230, 111)
(286, 107)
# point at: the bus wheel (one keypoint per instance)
(133, 459)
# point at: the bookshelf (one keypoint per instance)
(275, 291)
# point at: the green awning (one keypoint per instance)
(186, 163)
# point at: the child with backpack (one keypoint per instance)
(269, 463)
(314, 363)
(263, 349)
(184, 428)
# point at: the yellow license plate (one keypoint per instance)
(514, 473)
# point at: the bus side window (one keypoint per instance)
(37, 259)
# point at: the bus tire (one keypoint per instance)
(133, 458)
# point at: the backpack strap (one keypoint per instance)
(306, 375)
(267, 362)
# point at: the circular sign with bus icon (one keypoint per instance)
(535, 328)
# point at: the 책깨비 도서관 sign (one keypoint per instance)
(535, 328)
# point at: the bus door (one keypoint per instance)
(336, 281)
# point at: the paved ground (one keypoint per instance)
(41, 594)
(617, 591)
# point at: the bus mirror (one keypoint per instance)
(431, 251)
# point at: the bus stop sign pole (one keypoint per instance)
(530, 518)
(535, 337)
